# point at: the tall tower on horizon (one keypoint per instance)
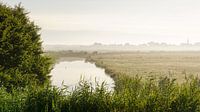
(188, 41)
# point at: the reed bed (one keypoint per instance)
(130, 95)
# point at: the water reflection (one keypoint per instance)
(70, 72)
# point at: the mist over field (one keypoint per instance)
(151, 46)
(99, 56)
(78, 22)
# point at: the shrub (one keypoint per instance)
(20, 47)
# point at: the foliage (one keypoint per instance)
(47, 99)
(11, 102)
(134, 95)
(20, 48)
(85, 98)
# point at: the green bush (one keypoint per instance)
(20, 48)
(11, 102)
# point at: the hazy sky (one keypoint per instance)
(115, 21)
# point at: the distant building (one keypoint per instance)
(188, 42)
(97, 44)
(127, 44)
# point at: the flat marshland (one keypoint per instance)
(177, 65)
(143, 81)
(131, 92)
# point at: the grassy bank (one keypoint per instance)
(131, 95)
(147, 64)
(133, 92)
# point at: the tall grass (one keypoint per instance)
(164, 95)
(130, 95)
(11, 102)
(85, 98)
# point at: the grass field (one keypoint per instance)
(150, 64)
(131, 94)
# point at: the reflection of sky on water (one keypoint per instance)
(70, 74)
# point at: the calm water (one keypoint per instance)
(70, 73)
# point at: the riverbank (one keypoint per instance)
(131, 94)
(176, 65)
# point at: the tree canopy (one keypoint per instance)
(21, 54)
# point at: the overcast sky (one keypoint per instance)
(115, 21)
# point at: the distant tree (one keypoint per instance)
(20, 48)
